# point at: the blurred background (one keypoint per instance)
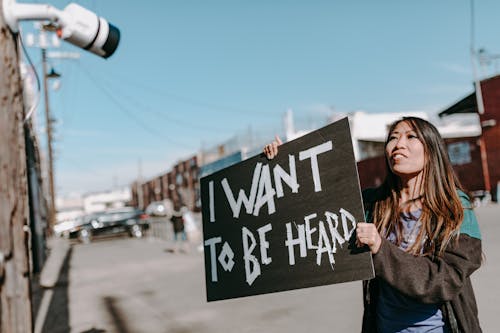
(117, 146)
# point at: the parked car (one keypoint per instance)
(65, 228)
(126, 220)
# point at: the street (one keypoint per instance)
(138, 285)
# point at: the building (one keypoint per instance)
(179, 185)
(483, 170)
(369, 130)
(73, 206)
(459, 132)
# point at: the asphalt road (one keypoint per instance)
(137, 285)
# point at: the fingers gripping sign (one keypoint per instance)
(367, 234)
(271, 150)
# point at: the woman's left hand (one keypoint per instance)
(271, 150)
(366, 233)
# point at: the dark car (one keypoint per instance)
(126, 220)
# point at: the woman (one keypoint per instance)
(423, 235)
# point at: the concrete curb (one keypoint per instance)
(50, 272)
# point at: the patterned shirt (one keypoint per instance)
(397, 312)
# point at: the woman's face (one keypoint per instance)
(405, 151)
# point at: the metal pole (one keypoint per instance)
(480, 103)
(477, 82)
(48, 121)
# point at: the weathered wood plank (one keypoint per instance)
(15, 297)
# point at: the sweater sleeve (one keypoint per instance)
(432, 280)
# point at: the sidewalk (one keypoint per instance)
(49, 289)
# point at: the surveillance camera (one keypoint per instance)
(83, 28)
(75, 24)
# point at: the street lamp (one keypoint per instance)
(53, 74)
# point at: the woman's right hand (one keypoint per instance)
(367, 234)
(271, 150)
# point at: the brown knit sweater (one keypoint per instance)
(441, 280)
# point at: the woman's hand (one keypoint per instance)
(366, 233)
(271, 150)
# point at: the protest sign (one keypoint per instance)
(285, 223)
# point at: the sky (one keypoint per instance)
(189, 75)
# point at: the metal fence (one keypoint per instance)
(160, 228)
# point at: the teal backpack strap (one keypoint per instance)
(469, 226)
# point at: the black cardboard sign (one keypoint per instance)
(286, 223)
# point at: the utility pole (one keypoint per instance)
(43, 44)
(15, 298)
(48, 126)
(480, 104)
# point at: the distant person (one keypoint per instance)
(190, 226)
(179, 233)
(423, 235)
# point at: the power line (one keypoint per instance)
(216, 107)
(132, 115)
(145, 108)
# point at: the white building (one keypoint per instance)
(101, 201)
(73, 206)
(369, 130)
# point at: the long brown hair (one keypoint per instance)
(442, 211)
